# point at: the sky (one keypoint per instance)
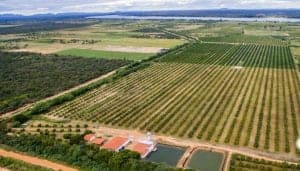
(29, 7)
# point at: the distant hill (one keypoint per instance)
(288, 13)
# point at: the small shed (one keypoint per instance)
(98, 141)
(116, 144)
(89, 137)
(143, 149)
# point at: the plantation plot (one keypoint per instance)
(243, 39)
(239, 162)
(200, 93)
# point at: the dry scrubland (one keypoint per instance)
(245, 95)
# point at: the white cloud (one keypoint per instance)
(58, 6)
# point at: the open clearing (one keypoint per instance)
(198, 93)
(56, 48)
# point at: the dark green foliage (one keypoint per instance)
(74, 138)
(148, 30)
(46, 106)
(240, 162)
(86, 157)
(18, 165)
(27, 77)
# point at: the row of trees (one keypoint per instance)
(240, 162)
(46, 106)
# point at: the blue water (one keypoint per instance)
(206, 161)
(169, 155)
(271, 19)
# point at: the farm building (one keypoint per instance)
(93, 139)
(143, 149)
(89, 137)
(116, 144)
(145, 146)
(98, 141)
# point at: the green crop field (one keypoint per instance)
(234, 86)
(105, 54)
(243, 95)
(246, 39)
(241, 163)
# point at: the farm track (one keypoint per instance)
(211, 98)
(35, 161)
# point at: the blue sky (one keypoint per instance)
(28, 7)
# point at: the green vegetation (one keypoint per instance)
(66, 35)
(241, 163)
(17, 165)
(43, 107)
(296, 53)
(206, 160)
(197, 53)
(85, 157)
(232, 87)
(200, 53)
(105, 54)
(236, 88)
(28, 77)
(248, 39)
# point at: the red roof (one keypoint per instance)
(115, 143)
(88, 137)
(98, 141)
(141, 148)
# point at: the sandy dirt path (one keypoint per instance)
(3, 169)
(28, 106)
(35, 161)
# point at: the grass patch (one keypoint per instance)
(105, 54)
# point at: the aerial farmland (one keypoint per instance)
(165, 93)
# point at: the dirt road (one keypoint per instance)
(35, 161)
(3, 169)
(28, 106)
